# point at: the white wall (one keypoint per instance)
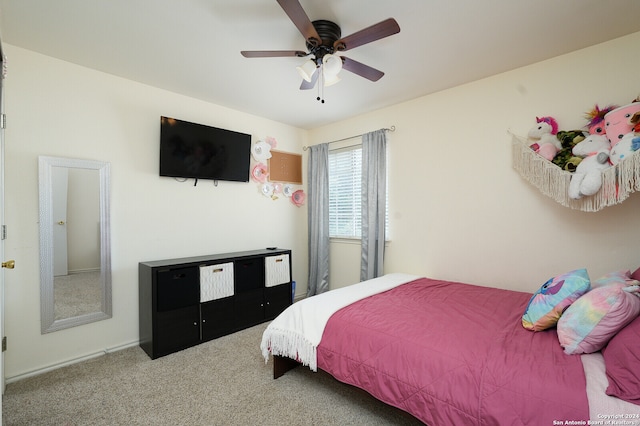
(59, 109)
(458, 209)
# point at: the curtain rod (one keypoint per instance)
(386, 129)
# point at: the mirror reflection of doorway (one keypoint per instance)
(60, 179)
(76, 242)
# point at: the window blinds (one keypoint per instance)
(345, 175)
(345, 195)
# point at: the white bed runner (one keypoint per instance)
(296, 332)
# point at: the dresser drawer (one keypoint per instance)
(177, 288)
(249, 273)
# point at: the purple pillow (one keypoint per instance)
(621, 360)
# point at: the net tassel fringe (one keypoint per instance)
(618, 182)
(291, 345)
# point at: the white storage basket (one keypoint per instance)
(276, 270)
(216, 281)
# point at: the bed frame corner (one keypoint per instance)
(283, 364)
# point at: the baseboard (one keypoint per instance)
(72, 361)
(82, 271)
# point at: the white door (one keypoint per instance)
(60, 183)
(2, 236)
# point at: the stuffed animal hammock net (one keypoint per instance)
(618, 181)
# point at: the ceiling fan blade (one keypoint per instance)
(272, 53)
(300, 19)
(307, 85)
(367, 35)
(361, 69)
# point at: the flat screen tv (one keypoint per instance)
(190, 150)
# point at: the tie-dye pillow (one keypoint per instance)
(612, 278)
(589, 323)
(548, 303)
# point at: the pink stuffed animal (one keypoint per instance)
(617, 122)
(629, 143)
(620, 129)
(596, 119)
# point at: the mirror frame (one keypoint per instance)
(47, 312)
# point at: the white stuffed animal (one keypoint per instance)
(625, 147)
(587, 179)
(543, 139)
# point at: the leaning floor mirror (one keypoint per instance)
(75, 249)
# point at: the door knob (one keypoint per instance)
(9, 264)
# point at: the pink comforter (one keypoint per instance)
(452, 353)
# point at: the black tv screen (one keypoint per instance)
(190, 150)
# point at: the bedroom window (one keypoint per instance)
(345, 174)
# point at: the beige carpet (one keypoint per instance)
(77, 294)
(221, 382)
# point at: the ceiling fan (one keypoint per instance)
(323, 40)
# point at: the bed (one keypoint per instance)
(445, 352)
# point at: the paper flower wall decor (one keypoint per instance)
(261, 151)
(272, 142)
(267, 189)
(260, 173)
(298, 197)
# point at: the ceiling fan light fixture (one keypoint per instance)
(331, 64)
(330, 80)
(307, 69)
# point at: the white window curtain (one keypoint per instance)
(374, 184)
(318, 219)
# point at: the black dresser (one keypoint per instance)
(187, 301)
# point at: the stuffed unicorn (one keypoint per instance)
(543, 137)
(587, 178)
